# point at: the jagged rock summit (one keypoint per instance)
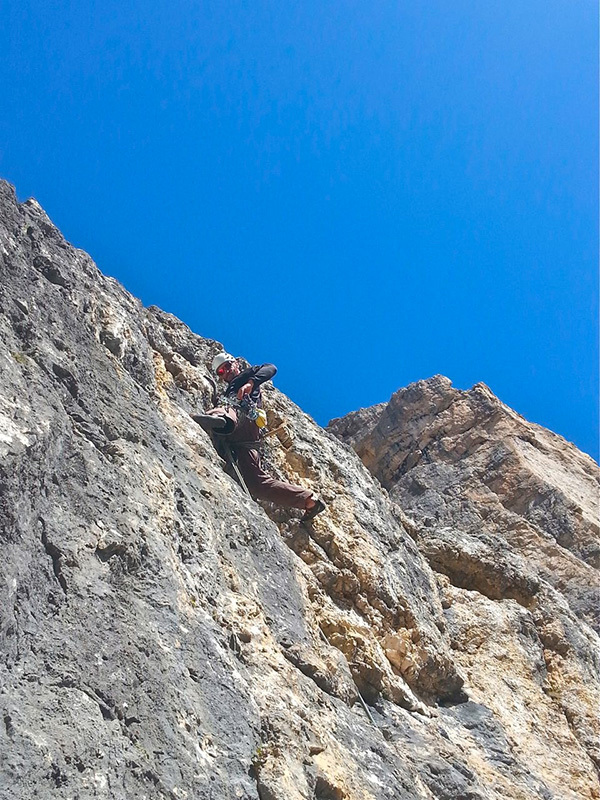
(163, 636)
(503, 510)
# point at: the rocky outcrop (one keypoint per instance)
(506, 514)
(164, 636)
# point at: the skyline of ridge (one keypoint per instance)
(358, 408)
(364, 195)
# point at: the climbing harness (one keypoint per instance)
(247, 408)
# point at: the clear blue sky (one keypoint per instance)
(365, 193)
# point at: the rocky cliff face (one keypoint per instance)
(506, 514)
(163, 636)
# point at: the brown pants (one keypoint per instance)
(261, 485)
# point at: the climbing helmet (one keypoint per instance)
(219, 360)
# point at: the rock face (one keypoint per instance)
(164, 636)
(506, 514)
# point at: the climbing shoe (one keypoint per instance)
(316, 509)
(209, 421)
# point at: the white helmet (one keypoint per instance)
(219, 359)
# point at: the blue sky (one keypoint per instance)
(364, 193)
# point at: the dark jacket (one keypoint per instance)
(258, 374)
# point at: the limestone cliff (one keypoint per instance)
(163, 636)
(506, 514)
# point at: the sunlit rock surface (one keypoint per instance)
(506, 514)
(163, 636)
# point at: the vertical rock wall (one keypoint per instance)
(506, 513)
(164, 636)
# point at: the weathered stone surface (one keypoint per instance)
(506, 514)
(163, 636)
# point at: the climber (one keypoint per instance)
(237, 422)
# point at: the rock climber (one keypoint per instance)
(235, 426)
